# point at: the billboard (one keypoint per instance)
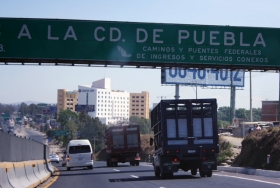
(87, 108)
(131, 43)
(203, 77)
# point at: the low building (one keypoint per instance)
(270, 110)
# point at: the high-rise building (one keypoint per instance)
(139, 104)
(110, 106)
(66, 100)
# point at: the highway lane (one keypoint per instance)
(26, 131)
(143, 176)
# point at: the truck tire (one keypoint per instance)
(209, 173)
(132, 163)
(137, 163)
(194, 171)
(115, 164)
(202, 174)
(68, 168)
(157, 171)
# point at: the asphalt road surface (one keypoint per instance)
(143, 176)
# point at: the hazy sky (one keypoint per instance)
(40, 83)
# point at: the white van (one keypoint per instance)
(79, 154)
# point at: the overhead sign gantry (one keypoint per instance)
(138, 44)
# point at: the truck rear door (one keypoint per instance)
(118, 138)
(132, 137)
(203, 122)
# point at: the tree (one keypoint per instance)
(224, 113)
(23, 109)
(66, 115)
(71, 127)
(92, 129)
(145, 124)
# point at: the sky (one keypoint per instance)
(40, 83)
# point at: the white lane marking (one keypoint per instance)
(117, 180)
(116, 170)
(147, 165)
(248, 179)
(134, 176)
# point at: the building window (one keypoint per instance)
(142, 97)
(142, 101)
(137, 96)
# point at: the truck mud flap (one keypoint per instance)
(208, 166)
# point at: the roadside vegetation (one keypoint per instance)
(255, 148)
(225, 151)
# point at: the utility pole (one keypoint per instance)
(177, 96)
(232, 101)
(251, 111)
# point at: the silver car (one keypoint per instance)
(54, 158)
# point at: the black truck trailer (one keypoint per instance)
(185, 136)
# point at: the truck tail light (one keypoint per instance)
(175, 159)
(203, 159)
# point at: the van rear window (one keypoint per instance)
(79, 149)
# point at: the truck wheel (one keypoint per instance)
(157, 171)
(68, 168)
(194, 171)
(132, 163)
(137, 163)
(202, 174)
(209, 173)
(115, 164)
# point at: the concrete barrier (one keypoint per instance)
(12, 175)
(50, 166)
(46, 167)
(28, 165)
(4, 182)
(36, 171)
(41, 170)
(21, 175)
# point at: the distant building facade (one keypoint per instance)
(110, 106)
(66, 100)
(139, 104)
(270, 110)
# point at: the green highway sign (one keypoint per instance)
(60, 133)
(128, 43)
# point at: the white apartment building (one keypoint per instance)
(111, 106)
